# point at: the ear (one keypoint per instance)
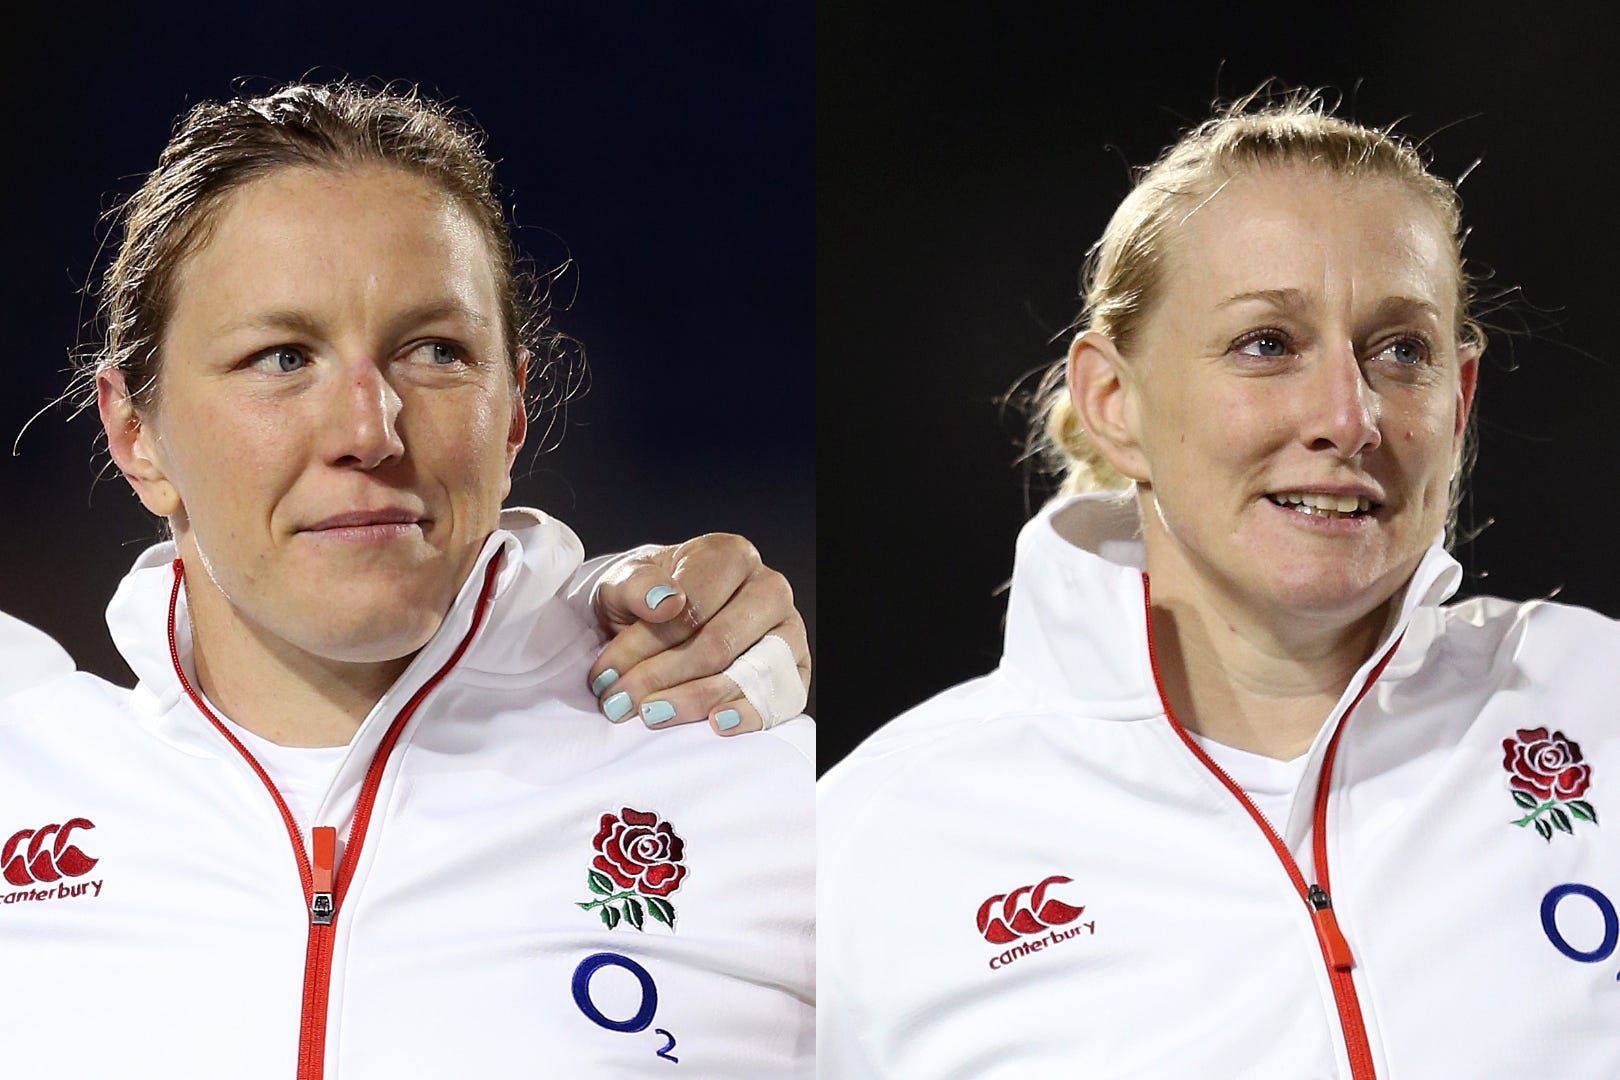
(1467, 383)
(518, 428)
(133, 446)
(1104, 399)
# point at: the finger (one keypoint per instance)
(707, 572)
(683, 676)
(686, 649)
(689, 703)
(719, 642)
(734, 718)
(704, 571)
(642, 589)
(615, 670)
(632, 599)
(710, 570)
(739, 716)
(716, 700)
(647, 660)
(699, 699)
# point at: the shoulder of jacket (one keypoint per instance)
(952, 722)
(28, 657)
(1486, 623)
(943, 718)
(64, 705)
(1553, 648)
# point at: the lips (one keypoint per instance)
(1348, 503)
(1340, 499)
(1340, 504)
(363, 519)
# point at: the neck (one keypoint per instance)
(269, 686)
(1256, 680)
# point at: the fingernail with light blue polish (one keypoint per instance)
(616, 706)
(658, 594)
(656, 712)
(603, 681)
(726, 719)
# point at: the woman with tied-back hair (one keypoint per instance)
(361, 817)
(1244, 798)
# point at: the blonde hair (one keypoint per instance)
(1124, 267)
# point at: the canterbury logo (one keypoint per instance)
(1006, 916)
(48, 856)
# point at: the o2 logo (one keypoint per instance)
(1570, 897)
(643, 1016)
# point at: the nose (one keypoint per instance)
(363, 421)
(1343, 413)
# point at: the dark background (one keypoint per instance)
(667, 147)
(964, 166)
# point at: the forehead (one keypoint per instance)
(1332, 237)
(316, 239)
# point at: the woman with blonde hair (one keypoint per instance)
(1243, 798)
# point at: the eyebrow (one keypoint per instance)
(1284, 298)
(297, 321)
(1394, 306)
(1295, 299)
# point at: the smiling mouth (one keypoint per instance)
(1313, 504)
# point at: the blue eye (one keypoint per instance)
(283, 359)
(1266, 344)
(438, 353)
(1406, 352)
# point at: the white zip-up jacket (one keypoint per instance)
(1039, 873)
(498, 882)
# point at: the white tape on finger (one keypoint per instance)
(768, 677)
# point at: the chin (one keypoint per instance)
(1338, 592)
(385, 638)
(368, 625)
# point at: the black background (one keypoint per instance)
(964, 166)
(960, 165)
(667, 147)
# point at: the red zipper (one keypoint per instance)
(324, 885)
(1336, 954)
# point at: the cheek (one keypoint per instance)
(469, 443)
(224, 462)
(1427, 442)
(1231, 422)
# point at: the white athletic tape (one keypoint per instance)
(769, 679)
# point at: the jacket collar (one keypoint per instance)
(526, 624)
(1077, 621)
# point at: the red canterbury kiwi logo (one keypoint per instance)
(1007, 916)
(47, 857)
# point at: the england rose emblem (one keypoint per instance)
(1547, 777)
(639, 861)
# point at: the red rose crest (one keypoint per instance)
(1547, 777)
(642, 857)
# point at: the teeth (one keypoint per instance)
(1322, 504)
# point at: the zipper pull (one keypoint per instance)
(1327, 929)
(320, 902)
